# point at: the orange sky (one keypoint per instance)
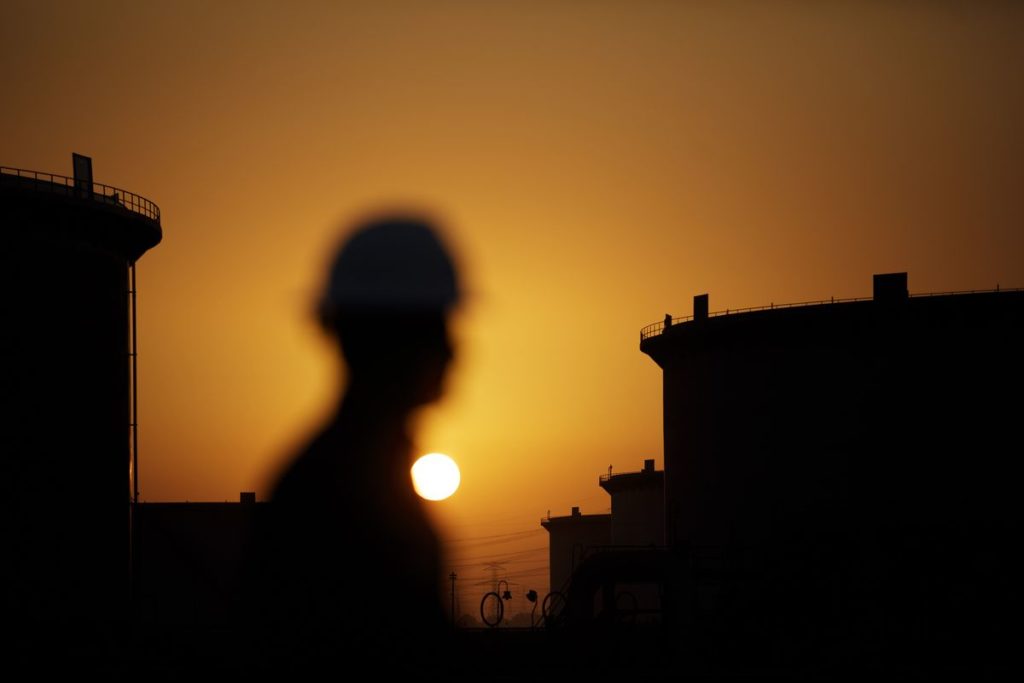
(597, 163)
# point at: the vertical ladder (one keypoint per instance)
(133, 426)
(133, 418)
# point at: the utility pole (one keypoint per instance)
(453, 576)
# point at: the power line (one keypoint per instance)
(528, 571)
(494, 537)
(468, 561)
(484, 545)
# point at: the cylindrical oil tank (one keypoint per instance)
(572, 538)
(638, 506)
(850, 471)
(66, 251)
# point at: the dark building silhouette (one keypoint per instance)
(571, 538)
(841, 478)
(612, 569)
(638, 524)
(638, 506)
(188, 559)
(69, 248)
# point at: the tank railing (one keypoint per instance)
(655, 329)
(97, 192)
(968, 291)
(611, 475)
(548, 518)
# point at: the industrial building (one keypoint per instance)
(69, 249)
(611, 553)
(570, 538)
(638, 506)
(842, 477)
(188, 560)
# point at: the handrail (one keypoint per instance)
(608, 477)
(548, 518)
(656, 329)
(969, 291)
(98, 192)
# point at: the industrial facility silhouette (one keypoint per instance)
(581, 546)
(70, 246)
(838, 493)
(840, 488)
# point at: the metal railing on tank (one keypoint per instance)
(69, 187)
(656, 329)
(612, 475)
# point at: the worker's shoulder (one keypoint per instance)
(333, 462)
(311, 468)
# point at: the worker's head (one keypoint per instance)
(387, 300)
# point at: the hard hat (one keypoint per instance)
(391, 265)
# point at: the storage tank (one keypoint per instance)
(572, 538)
(850, 468)
(69, 245)
(638, 506)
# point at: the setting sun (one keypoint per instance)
(435, 476)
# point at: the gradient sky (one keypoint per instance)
(597, 164)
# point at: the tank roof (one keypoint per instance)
(48, 206)
(810, 308)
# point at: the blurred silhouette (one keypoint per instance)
(345, 564)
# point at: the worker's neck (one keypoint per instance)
(379, 399)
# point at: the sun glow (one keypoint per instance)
(435, 476)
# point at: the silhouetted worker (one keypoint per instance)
(668, 320)
(346, 565)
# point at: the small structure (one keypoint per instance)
(189, 560)
(638, 506)
(572, 537)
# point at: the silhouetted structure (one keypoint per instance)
(842, 478)
(571, 538)
(188, 560)
(69, 249)
(638, 506)
(611, 569)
